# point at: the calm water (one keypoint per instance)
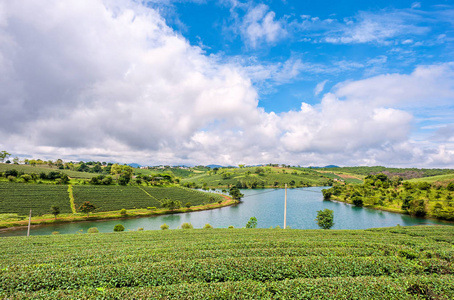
(266, 205)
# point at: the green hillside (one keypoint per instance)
(28, 169)
(439, 179)
(387, 263)
(259, 177)
(19, 198)
(405, 173)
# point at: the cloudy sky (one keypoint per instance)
(229, 81)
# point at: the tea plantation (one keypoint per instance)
(386, 263)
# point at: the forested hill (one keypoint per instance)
(405, 173)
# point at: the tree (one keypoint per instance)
(252, 223)
(327, 194)
(119, 227)
(357, 201)
(55, 210)
(235, 193)
(325, 218)
(4, 155)
(170, 203)
(125, 172)
(87, 207)
(450, 186)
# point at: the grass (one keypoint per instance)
(388, 263)
(248, 177)
(439, 179)
(28, 169)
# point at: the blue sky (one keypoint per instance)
(335, 41)
(229, 82)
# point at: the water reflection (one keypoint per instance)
(266, 205)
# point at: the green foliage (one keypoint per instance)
(186, 226)
(123, 212)
(450, 186)
(424, 186)
(87, 208)
(170, 204)
(388, 263)
(235, 193)
(231, 227)
(357, 201)
(118, 228)
(4, 155)
(327, 194)
(325, 218)
(207, 226)
(164, 226)
(252, 223)
(92, 230)
(55, 210)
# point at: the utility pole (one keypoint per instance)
(29, 220)
(285, 208)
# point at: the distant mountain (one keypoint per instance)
(325, 167)
(134, 165)
(214, 166)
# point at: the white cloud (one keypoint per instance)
(319, 87)
(258, 26)
(376, 27)
(109, 80)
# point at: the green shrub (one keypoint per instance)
(164, 226)
(151, 208)
(231, 226)
(252, 223)
(92, 230)
(140, 229)
(123, 212)
(119, 227)
(325, 218)
(207, 226)
(357, 201)
(188, 204)
(186, 226)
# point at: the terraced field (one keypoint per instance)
(108, 198)
(27, 169)
(388, 263)
(181, 194)
(20, 198)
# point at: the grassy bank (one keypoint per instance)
(12, 221)
(387, 263)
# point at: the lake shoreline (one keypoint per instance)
(394, 211)
(6, 226)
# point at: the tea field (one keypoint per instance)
(109, 198)
(386, 263)
(19, 198)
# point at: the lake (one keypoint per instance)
(267, 205)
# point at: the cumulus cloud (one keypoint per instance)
(258, 25)
(109, 80)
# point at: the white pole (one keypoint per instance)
(285, 208)
(29, 220)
